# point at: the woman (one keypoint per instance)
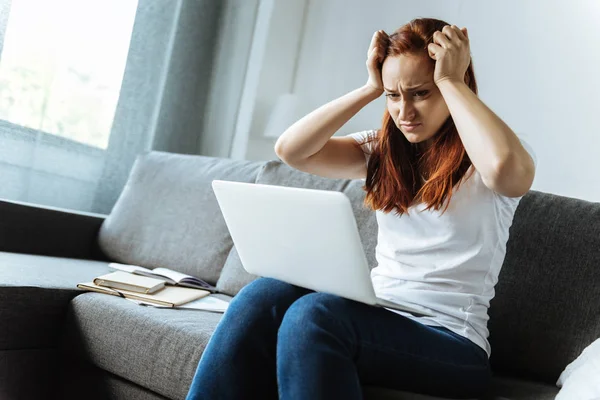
(453, 173)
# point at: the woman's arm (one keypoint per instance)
(308, 135)
(495, 150)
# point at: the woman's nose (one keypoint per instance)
(407, 111)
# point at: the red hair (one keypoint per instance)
(394, 167)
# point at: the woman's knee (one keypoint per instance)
(315, 314)
(265, 298)
(267, 290)
(256, 311)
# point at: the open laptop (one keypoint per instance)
(305, 237)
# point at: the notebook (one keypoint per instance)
(170, 296)
(130, 282)
(170, 276)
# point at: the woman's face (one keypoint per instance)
(413, 99)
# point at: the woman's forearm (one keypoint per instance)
(487, 139)
(309, 134)
(494, 149)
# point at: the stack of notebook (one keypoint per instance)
(171, 277)
(156, 292)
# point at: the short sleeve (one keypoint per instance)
(361, 137)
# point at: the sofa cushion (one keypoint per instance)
(233, 277)
(366, 219)
(34, 294)
(547, 304)
(156, 348)
(168, 216)
(275, 172)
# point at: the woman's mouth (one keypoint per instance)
(410, 127)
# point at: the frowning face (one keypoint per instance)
(413, 100)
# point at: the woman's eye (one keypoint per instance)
(420, 93)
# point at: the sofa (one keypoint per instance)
(57, 341)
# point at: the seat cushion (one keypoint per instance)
(34, 294)
(168, 216)
(158, 349)
(275, 172)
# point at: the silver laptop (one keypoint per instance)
(305, 237)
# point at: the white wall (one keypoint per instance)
(536, 63)
(271, 71)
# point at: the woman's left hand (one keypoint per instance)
(451, 52)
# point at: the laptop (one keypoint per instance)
(305, 237)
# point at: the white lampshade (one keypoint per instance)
(286, 111)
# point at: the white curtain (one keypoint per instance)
(86, 86)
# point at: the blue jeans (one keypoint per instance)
(278, 340)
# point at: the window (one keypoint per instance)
(62, 66)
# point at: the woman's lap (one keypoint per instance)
(321, 338)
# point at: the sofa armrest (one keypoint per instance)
(34, 229)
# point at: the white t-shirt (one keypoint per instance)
(448, 263)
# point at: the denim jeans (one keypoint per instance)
(278, 340)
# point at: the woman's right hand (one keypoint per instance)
(375, 56)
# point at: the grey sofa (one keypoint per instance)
(59, 342)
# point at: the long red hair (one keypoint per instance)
(395, 165)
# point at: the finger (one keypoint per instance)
(373, 42)
(441, 39)
(450, 33)
(377, 55)
(372, 54)
(383, 38)
(379, 40)
(433, 50)
(465, 32)
(382, 47)
(459, 32)
(454, 35)
(384, 42)
(380, 54)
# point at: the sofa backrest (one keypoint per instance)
(168, 216)
(547, 304)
